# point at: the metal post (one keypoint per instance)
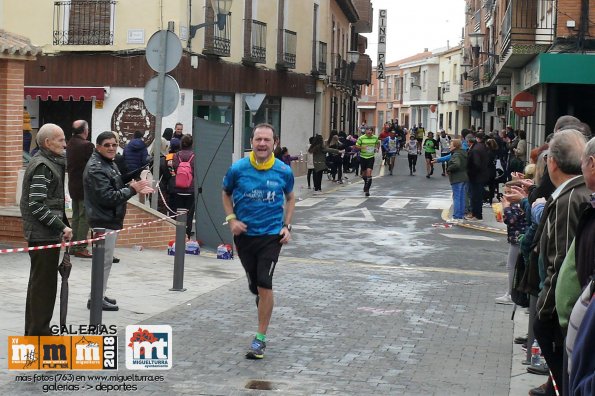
(159, 116)
(97, 268)
(180, 251)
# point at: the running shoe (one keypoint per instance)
(367, 194)
(256, 350)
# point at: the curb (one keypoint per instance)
(494, 230)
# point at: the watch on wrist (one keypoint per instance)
(288, 226)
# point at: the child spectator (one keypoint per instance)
(516, 224)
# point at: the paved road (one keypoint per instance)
(372, 301)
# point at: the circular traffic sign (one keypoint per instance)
(172, 47)
(171, 95)
(524, 104)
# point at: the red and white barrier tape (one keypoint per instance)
(74, 243)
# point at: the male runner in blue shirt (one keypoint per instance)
(254, 189)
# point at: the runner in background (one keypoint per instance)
(390, 145)
(430, 146)
(368, 145)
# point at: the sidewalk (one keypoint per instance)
(140, 283)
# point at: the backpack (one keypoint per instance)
(184, 175)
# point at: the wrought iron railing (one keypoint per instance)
(339, 74)
(89, 22)
(258, 42)
(289, 48)
(218, 42)
(477, 21)
(528, 22)
(322, 57)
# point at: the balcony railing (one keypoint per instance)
(288, 52)
(339, 71)
(217, 42)
(477, 21)
(88, 22)
(528, 22)
(256, 32)
(322, 53)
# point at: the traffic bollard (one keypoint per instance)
(97, 268)
(180, 251)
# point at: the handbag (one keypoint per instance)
(518, 296)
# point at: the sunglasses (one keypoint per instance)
(110, 145)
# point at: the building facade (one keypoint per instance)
(284, 58)
(541, 48)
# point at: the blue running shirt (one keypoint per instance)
(258, 196)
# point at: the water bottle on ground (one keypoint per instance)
(535, 354)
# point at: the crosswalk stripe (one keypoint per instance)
(395, 203)
(470, 237)
(309, 202)
(350, 202)
(439, 204)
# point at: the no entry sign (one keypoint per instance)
(524, 104)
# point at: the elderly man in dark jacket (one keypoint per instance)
(477, 170)
(78, 152)
(105, 199)
(562, 214)
(44, 223)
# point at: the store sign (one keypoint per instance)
(503, 93)
(464, 99)
(380, 67)
(132, 115)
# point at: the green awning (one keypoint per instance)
(567, 68)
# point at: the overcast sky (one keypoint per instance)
(416, 24)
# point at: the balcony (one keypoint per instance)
(255, 42)
(527, 27)
(339, 71)
(287, 54)
(84, 22)
(217, 42)
(319, 67)
(362, 72)
(365, 12)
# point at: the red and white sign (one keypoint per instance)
(524, 104)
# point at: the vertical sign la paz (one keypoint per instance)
(381, 44)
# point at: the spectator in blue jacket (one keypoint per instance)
(136, 155)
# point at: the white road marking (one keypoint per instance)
(309, 201)
(301, 227)
(350, 202)
(470, 237)
(361, 214)
(395, 203)
(439, 204)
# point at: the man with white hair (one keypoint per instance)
(44, 223)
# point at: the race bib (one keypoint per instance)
(370, 149)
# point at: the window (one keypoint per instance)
(450, 120)
(380, 89)
(389, 87)
(380, 120)
(269, 112)
(424, 80)
(84, 22)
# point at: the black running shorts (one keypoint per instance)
(367, 163)
(259, 256)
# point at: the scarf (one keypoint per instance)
(268, 164)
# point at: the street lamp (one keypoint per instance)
(221, 9)
(352, 57)
(476, 40)
(466, 67)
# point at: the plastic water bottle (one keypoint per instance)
(535, 354)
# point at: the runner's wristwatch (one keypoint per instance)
(288, 226)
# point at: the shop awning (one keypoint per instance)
(65, 93)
